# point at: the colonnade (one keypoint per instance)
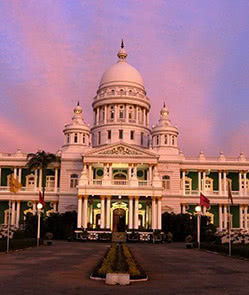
(18, 175)
(224, 215)
(222, 187)
(16, 210)
(133, 212)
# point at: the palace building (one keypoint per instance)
(121, 174)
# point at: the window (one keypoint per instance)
(132, 135)
(84, 138)
(173, 140)
(112, 113)
(99, 137)
(103, 113)
(74, 179)
(109, 134)
(157, 140)
(142, 138)
(166, 182)
(75, 137)
(165, 139)
(121, 112)
(68, 138)
(121, 134)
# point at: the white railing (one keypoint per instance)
(97, 182)
(30, 189)
(120, 182)
(142, 183)
(213, 193)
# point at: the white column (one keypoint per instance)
(183, 182)
(225, 182)
(115, 113)
(220, 186)
(35, 185)
(153, 213)
(105, 117)
(0, 176)
(108, 212)
(79, 211)
(18, 214)
(183, 209)
(245, 189)
(15, 172)
(13, 213)
(55, 179)
(241, 217)
(20, 175)
(150, 174)
(97, 119)
(159, 213)
(220, 217)
(130, 225)
(40, 178)
(147, 216)
(102, 217)
(204, 182)
(34, 207)
(136, 213)
(225, 216)
(85, 211)
(54, 206)
(137, 115)
(144, 122)
(240, 184)
(246, 217)
(199, 181)
(126, 113)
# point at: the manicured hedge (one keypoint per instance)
(241, 250)
(17, 244)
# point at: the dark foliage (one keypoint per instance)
(182, 225)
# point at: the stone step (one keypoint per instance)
(119, 237)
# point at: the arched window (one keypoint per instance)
(131, 113)
(75, 137)
(165, 139)
(74, 179)
(68, 138)
(173, 140)
(112, 112)
(84, 138)
(121, 112)
(166, 182)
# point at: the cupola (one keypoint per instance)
(77, 132)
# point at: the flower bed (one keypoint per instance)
(119, 259)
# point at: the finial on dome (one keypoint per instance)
(122, 54)
(164, 105)
(78, 103)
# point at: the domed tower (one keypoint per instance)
(164, 135)
(121, 107)
(77, 133)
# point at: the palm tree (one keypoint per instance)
(41, 160)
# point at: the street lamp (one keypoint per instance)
(39, 207)
(198, 211)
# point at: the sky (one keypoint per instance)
(192, 54)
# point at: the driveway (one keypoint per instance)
(64, 268)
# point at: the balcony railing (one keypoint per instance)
(120, 182)
(30, 189)
(211, 193)
(142, 183)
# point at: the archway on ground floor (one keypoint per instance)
(119, 220)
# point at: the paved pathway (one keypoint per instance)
(64, 268)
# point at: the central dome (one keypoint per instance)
(121, 73)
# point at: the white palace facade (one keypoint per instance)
(121, 174)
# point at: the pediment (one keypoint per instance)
(117, 150)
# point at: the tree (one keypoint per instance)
(41, 160)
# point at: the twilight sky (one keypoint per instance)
(192, 54)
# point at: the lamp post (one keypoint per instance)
(39, 207)
(198, 211)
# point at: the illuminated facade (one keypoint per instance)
(121, 174)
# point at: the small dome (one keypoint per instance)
(121, 72)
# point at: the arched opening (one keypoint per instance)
(119, 220)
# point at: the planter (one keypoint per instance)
(117, 279)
